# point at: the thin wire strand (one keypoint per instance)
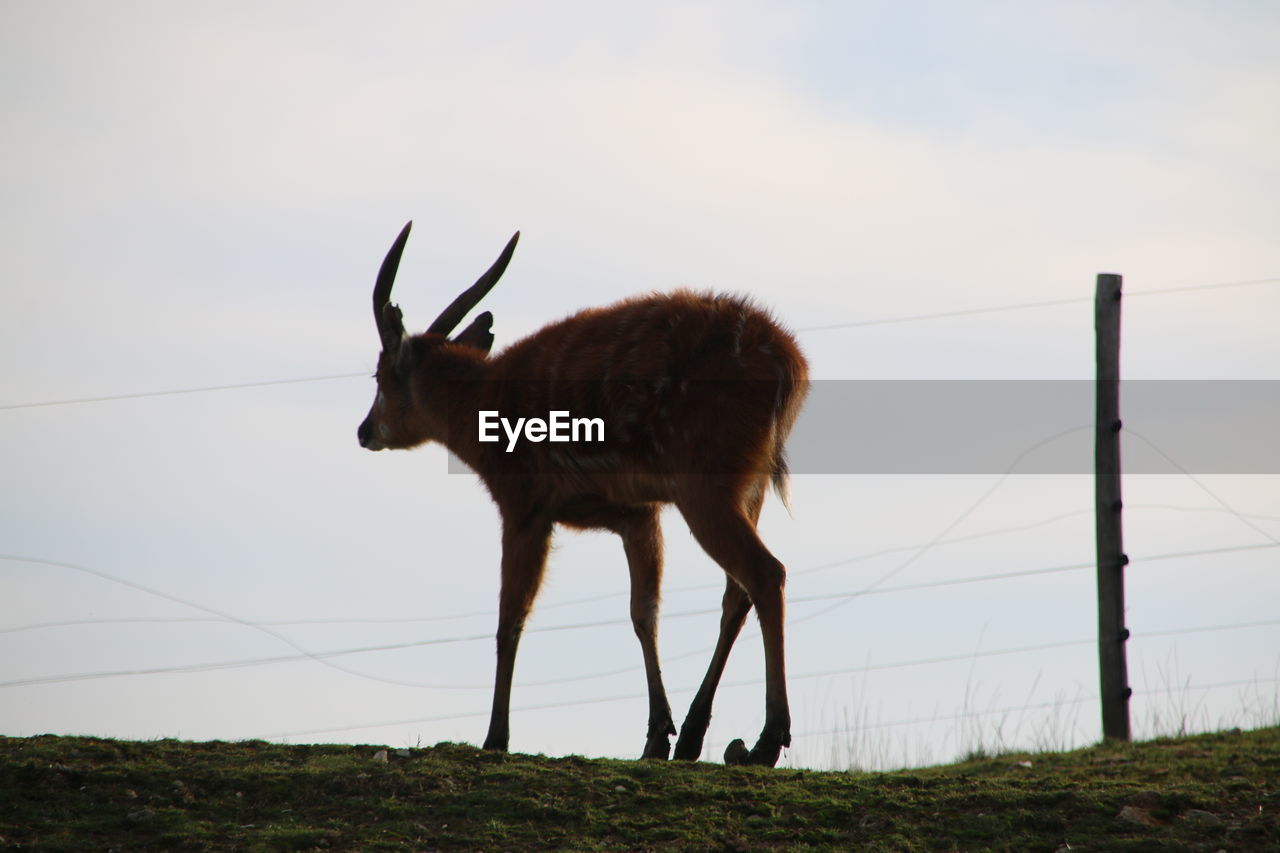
(1192, 477)
(945, 718)
(1020, 306)
(1161, 291)
(940, 315)
(554, 605)
(411, 620)
(631, 697)
(325, 656)
(304, 653)
(179, 391)
(911, 318)
(1037, 706)
(1204, 552)
(873, 589)
(952, 526)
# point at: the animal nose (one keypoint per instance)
(365, 434)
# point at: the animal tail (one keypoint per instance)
(781, 477)
(791, 393)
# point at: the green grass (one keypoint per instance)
(1204, 793)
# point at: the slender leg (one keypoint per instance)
(727, 533)
(524, 558)
(642, 540)
(734, 608)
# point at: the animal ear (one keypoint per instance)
(477, 335)
(406, 355)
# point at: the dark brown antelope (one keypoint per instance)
(696, 394)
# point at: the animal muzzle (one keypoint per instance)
(367, 439)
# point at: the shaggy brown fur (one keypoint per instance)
(697, 393)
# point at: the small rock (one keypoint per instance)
(1144, 800)
(402, 753)
(873, 823)
(1201, 818)
(1134, 814)
(1024, 764)
(621, 789)
(380, 756)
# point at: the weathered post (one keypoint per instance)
(1112, 633)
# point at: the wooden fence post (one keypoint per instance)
(1112, 633)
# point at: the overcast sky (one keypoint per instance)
(199, 195)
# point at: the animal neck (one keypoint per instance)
(462, 385)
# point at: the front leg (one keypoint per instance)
(524, 559)
(642, 540)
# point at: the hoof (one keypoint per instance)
(762, 755)
(736, 753)
(657, 748)
(688, 746)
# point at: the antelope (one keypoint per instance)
(697, 393)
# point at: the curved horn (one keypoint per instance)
(387, 317)
(451, 316)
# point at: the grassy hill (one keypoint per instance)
(1205, 793)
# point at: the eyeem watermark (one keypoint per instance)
(558, 426)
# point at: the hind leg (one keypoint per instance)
(734, 608)
(726, 531)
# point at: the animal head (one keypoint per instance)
(396, 418)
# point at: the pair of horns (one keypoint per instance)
(388, 317)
